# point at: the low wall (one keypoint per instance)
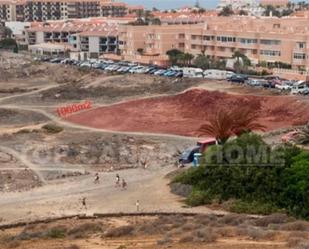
(291, 74)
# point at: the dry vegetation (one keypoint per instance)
(167, 230)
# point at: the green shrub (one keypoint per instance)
(254, 207)
(56, 233)
(52, 128)
(262, 186)
(198, 197)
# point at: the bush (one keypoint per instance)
(57, 232)
(52, 128)
(277, 181)
(254, 207)
(198, 197)
(296, 226)
(85, 229)
(120, 231)
(233, 219)
(276, 218)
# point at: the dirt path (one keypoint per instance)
(99, 81)
(23, 159)
(64, 198)
(28, 93)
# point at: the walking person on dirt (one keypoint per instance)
(137, 206)
(96, 178)
(117, 180)
(124, 184)
(84, 205)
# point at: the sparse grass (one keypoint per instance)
(58, 232)
(232, 219)
(259, 234)
(14, 244)
(276, 218)
(186, 239)
(205, 235)
(295, 226)
(120, 231)
(83, 230)
(52, 128)
(72, 247)
(165, 240)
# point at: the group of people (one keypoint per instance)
(119, 183)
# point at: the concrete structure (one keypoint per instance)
(41, 10)
(18, 31)
(279, 3)
(50, 49)
(261, 39)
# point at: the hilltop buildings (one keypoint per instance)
(41, 10)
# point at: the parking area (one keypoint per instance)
(281, 85)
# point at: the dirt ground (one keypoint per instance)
(183, 114)
(46, 173)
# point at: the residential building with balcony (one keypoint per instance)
(270, 40)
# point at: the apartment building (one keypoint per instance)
(261, 39)
(113, 9)
(89, 37)
(96, 42)
(42, 10)
(7, 11)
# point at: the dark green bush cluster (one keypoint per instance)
(263, 186)
(52, 128)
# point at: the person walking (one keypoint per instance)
(96, 178)
(137, 206)
(117, 180)
(124, 184)
(84, 204)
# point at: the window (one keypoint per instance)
(270, 53)
(301, 45)
(299, 56)
(226, 39)
(270, 42)
(247, 41)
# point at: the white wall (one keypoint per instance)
(94, 44)
(17, 27)
(39, 37)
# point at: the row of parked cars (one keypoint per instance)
(295, 87)
(292, 86)
(121, 67)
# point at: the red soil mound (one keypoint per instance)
(183, 114)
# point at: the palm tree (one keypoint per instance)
(244, 121)
(303, 137)
(219, 126)
(225, 124)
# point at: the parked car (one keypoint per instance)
(301, 87)
(56, 60)
(188, 155)
(284, 87)
(217, 74)
(192, 72)
(254, 82)
(160, 72)
(238, 78)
